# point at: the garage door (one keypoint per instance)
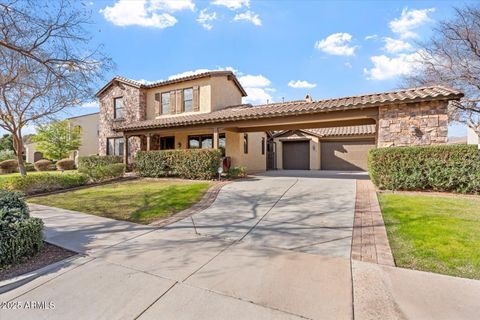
(345, 155)
(296, 155)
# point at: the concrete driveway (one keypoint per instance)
(272, 247)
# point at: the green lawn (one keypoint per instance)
(141, 201)
(433, 233)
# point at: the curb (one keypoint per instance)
(10, 284)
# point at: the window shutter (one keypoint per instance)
(179, 103)
(158, 104)
(196, 98)
(172, 102)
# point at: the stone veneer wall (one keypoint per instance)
(396, 123)
(134, 107)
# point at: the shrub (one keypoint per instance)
(237, 172)
(43, 182)
(105, 172)
(9, 166)
(12, 206)
(65, 164)
(7, 155)
(20, 239)
(185, 163)
(43, 165)
(440, 168)
(29, 167)
(86, 163)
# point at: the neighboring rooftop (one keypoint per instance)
(247, 111)
(138, 84)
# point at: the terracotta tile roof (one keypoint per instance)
(138, 84)
(361, 130)
(247, 111)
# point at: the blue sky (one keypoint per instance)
(278, 49)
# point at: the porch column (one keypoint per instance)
(149, 136)
(215, 138)
(125, 150)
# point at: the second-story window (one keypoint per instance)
(166, 103)
(188, 100)
(118, 108)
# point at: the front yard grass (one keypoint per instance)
(141, 201)
(434, 233)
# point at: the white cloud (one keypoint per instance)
(337, 44)
(248, 16)
(254, 81)
(147, 82)
(409, 21)
(396, 45)
(348, 65)
(301, 84)
(257, 87)
(232, 4)
(385, 68)
(371, 37)
(205, 18)
(145, 13)
(91, 104)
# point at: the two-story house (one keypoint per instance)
(206, 111)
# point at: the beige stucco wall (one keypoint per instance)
(254, 160)
(224, 93)
(89, 130)
(472, 136)
(314, 148)
(30, 149)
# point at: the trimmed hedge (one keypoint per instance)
(104, 173)
(43, 182)
(20, 235)
(65, 164)
(200, 164)
(9, 166)
(451, 168)
(43, 165)
(89, 162)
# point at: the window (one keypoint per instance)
(205, 141)
(245, 143)
(115, 146)
(188, 100)
(263, 146)
(165, 103)
(118, 108)
(167, 143)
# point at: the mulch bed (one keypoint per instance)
(48, 255)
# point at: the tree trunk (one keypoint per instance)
(18, 146)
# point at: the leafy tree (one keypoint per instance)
(452, 58)
(48, 63)
(57, 140)
(6, 142)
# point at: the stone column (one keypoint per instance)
(215, 138)
(125, 150)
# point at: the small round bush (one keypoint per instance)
(43, 165)
(9, 166)
(65, 164)
(12, 206)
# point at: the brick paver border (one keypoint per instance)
(370, 242)
(206, 201)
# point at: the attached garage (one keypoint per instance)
(296, 155)
(349, 155)
(337, 148)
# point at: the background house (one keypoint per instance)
(89, 137)
(472, 136)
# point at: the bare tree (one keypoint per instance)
(452, 57)
(47, 64)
